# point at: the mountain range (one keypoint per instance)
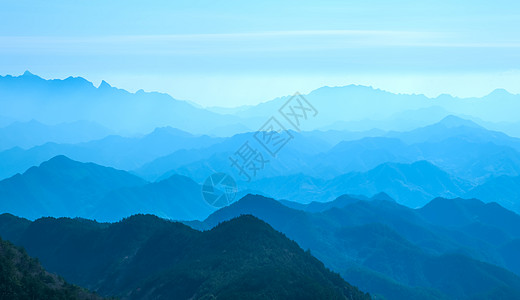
(360, 107)
(145, 257)
(410, 184)
(398, 252)
(450, 248)
(115, 151)
(403, 196)
(440, 144)
(63, 187)
(28, 96)
(33, 133)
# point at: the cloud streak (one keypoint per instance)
(271, 41)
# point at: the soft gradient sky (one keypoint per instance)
(231, 53)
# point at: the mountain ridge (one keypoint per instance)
(241, 258)
(369, 240)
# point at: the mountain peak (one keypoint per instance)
(452, 121)
(58, 160)
(73, 83)
(254, 198)
(382, 196)
(28, 75)
(499, 93)
(170, 131)
(104, 85)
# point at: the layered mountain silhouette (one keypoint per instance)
(28, 97)
(114, 151)
(503, 189)
(486, 153)
(144, 257)
(360, 107)
(177, 197)
(63, 187)
(405, 196)
(200, 163)
(398, 252)
(410, 184)
(452, 126)
(33, 133)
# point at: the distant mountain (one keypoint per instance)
(28, 97)
(460, 212)
(449, 126)
(202, 162)
(369, 107)
(339, 202)
(144, 257)
(29, 134)
(310, 163)
(503, 189)
(473, 161)
(61, 187)
(405, 120)
(487, 154)
(130, 153)
(490, 221)
(333, 137)
(306, 154)
(342, 103)
(453, 126)
(398, 252)
(366, 153)
(177, 198)
(511, 128)
(168, 151)
(22, 277)
(412, 185)
(115, 151)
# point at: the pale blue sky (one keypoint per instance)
(230, 53)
